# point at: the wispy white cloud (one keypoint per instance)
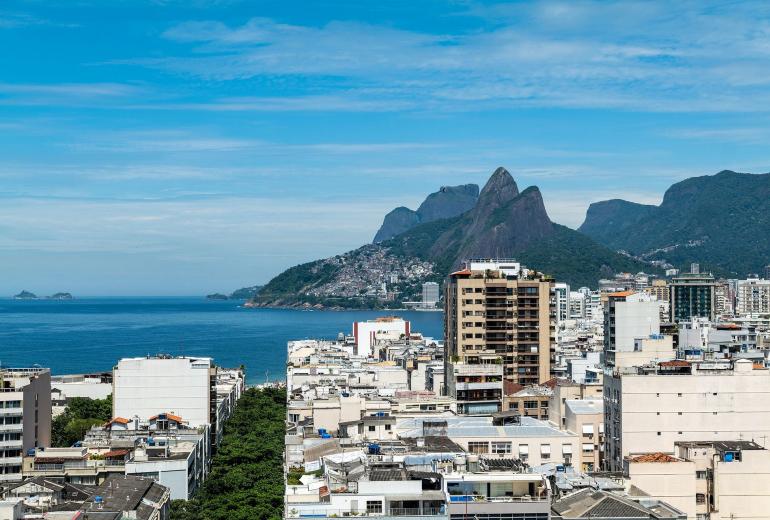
(619, 55)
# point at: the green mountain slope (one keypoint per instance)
(721, 221)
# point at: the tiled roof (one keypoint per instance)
(654, 457)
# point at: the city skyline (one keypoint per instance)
(183, 148)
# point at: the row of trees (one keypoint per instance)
(246, 479)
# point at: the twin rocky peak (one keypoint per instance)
(497, 222)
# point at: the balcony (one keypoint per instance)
(11, 444)
(400, 513)
(11, 412)
(11, 427)
(10, 461)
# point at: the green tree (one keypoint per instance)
(81, 413)
(246, 479)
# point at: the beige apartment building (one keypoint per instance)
(708, 480)
(497, 312)
(585, 417)
(652, 408)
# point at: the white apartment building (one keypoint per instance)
(707, 480)
(191, 388)
(753, 296)
(628, 316)
(651, 408)
(561, 295)
(25, 417)
(365, 333)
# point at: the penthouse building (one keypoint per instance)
(497, 313)
(25, 417)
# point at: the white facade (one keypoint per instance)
(635, 316)
(365, 332)
(145, 387)
(753, 296)
(430, 294)
(649, 410)
(561, 294)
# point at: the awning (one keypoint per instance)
(523, 449)
(566, 449)
(588, 428)
(601, 427)
(545, 449)
(588, 446)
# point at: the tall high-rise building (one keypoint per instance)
(692, 295)
(767, 272)
(753, 296)
(430, 294)
(562, 298)
(25, 417)
(499, 315)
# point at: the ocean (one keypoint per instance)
(91, 334)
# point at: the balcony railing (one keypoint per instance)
(340, 513)
(480, 498)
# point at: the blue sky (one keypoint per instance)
(183, 147)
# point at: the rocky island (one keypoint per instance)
(25, 295)
(61, 296)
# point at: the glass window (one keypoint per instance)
(373, 506)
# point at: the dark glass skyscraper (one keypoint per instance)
(692, 295)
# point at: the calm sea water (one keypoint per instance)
(91, 334)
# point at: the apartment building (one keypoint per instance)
(629, 315)
(194, 389)
(529, 401)
(692, 295)
(585, 417)
(650, 408)
(753, 296)
(498, 312)
(25, 417)
(711, 480)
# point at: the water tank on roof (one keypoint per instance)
(729, 457)
(98, 499)
(321, 431)
(374, 449)
(31, 452)
(326, 436)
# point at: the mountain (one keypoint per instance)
(502, 223)
(61, 296)
(720, 221)
(25, 295)
(448, 202)
(607, 218)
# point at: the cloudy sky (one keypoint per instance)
(182, 147)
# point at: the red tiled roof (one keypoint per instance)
(510, 388)
(654, 457)
(116, 453)
(675, 363)
(169, 416)
(119, 420)
(552, 383)
(621, 294)
(462, 272)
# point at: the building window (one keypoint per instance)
(701, 475)
(387, 427)
(373, 507)
(700, 498)
(501, 447)
(478, 447)
(372, 428)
